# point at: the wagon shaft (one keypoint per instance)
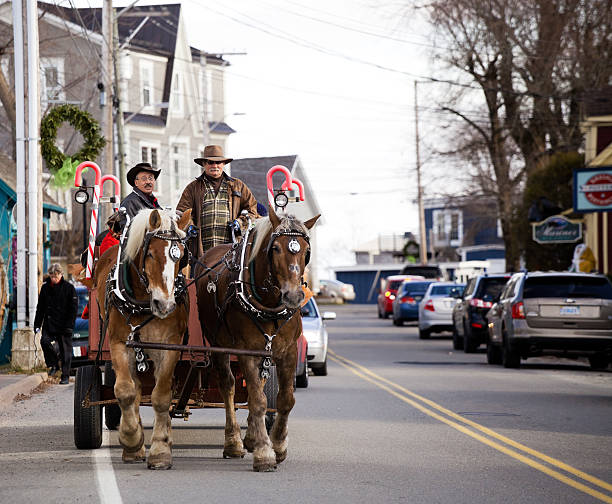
(197, 349)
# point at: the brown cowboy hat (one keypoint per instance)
(212, 153)
(131, 175)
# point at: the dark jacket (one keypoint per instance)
(57, 307)
(136, 201)
(240, 199)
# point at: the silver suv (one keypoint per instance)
(567, 314)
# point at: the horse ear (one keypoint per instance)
(184, 220)
(273, 217)
(311, 222)
(154, 220)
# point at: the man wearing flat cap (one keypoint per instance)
(215, 199)
(142, 178)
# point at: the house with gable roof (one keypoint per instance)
(169, 90)
(252, 171)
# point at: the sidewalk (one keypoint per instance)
(13, 384)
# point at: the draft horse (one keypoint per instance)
(251, 301)
(144, 299)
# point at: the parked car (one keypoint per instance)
(469, 313)
(80, 335)
(337, 289)
(313, 327)
(428, 271)
(406, 303)
(388, 291)
(552, 313)
(436, 308)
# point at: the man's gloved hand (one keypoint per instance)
(36, 330)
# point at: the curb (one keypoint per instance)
(25, 386)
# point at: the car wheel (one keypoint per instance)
(469, 345)
(112, 412)
(494, 353)
(398, 322)
(598, 361)
(510, 356)
(386, 315)
(320, 370)
(457, 341)
(424, 333)
(301, 381)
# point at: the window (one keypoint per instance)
(177, 94)
(52, 79)
(209, 96)
(454, 228)
(146, 83)
(149, 155)
(440, 234)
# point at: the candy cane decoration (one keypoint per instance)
(286, 186)
(93, 224)
(117, 185)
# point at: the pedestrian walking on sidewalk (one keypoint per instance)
(55, 314)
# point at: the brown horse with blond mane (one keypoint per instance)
(148, 270)
(251, 301)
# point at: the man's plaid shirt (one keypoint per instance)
(215, 217)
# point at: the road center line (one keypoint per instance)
(108, 490)
(379, 381)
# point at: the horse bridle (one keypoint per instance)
(174, 252)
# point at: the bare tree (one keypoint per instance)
(531, 61)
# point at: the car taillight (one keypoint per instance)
(409, 300)
(518, 310)
(429, 305)
(479, 303)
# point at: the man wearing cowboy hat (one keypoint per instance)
(215, 199)
(142, 178)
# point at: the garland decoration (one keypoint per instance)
(63, 167)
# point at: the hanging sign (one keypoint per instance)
(557, 229)
(593, 190)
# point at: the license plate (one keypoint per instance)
(76, 351)
(570, 310)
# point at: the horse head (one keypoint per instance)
(288, 253)
(155, 246)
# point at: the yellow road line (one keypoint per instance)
(363, 373)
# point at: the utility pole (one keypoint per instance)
(107, 80)
(118, 103)
(422, 234)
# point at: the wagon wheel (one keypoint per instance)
(271, 391)
(112, 412)
(87, 421)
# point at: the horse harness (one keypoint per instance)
(120, 294)
(247, 301)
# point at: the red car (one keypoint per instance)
(388, 291)
(301, 368)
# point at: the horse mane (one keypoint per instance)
(139, 227)
(263, 226)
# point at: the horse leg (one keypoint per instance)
(284, 404)
(160, 453)
(127, 392)
(256, 437)
(232, 447)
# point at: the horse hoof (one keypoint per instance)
(160, 461)
(233, 453)
(264, 467)
(249, 444)
(281, 456)
(133, 457)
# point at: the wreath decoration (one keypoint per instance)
(63, 167)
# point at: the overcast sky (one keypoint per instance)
(330, 81)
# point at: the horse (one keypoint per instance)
(140, 301)
(251, 301)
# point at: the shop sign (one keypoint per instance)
(557, 229)
(593, 190)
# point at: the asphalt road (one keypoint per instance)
(396, 420)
